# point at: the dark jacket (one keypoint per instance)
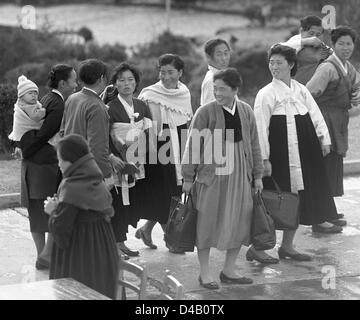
(117, 113)
(83, 188)
(40, 174)
(34, 143)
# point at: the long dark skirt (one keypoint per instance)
(92, 257)
(334, 164)
(316, 202)
(153, 194)
(123, 215)
(37, 183)
(38, 219)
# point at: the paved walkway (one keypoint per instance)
(334, 272)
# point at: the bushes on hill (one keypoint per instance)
(32, 53)
(8, 96)
(253, 67)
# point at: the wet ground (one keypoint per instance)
(334, 272)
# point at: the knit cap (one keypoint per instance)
(25, 85)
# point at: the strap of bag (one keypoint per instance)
(188, 197)
(178, 199)
(259, 200)
(277, 187)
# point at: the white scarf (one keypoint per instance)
(131, 134)
(174, 105)
(177, 100)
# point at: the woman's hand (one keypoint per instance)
(50, 204)
(258, 185)
(117, 163)
(17, 154)
(267, 168)
(325, 150)
(187, 185)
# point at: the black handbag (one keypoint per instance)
(283, 207)
(263, 235)
(180, 231)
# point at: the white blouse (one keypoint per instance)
(278, 99)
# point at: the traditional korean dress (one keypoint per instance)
(127, 128)
(170, 110)
(222, 189)
(336, 89)
(291, 129)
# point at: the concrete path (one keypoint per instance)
(334, 272)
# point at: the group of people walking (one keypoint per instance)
(121, 159)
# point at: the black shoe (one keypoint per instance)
(339, 222)
(139, 234)
(332, 229)
(251, 255)
(42, 264)
(295, 256)
(130, 253)
(176, 251)
(340, 216)
(213, 285)
(242, 280)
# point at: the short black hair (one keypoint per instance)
(309, 21)
(341, 31)
(121, 68)
(230, 76)
(210, 45)
(72, 147)
(173, 59)
(92, 70)
(57, 73)
(288, 53)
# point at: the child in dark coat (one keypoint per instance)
(85, 247)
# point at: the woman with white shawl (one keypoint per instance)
(169, 101)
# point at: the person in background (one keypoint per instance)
(294, 140)
(223, 191)
(336, 89)
(40, 174)
(217, 53)
(84, 243)
(309, 46)
(169, 101)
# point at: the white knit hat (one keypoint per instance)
(25, 85)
